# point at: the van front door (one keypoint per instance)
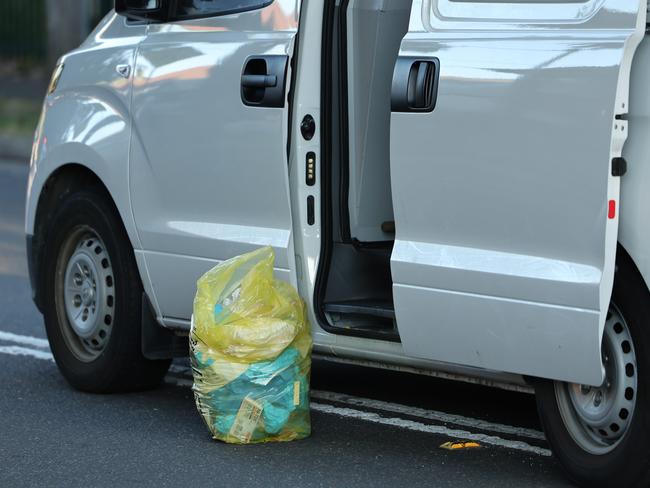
(209, 168)
(505, 195)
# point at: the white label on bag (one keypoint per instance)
(296, 393)
(246, 421)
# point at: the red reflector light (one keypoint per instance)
(612, 209)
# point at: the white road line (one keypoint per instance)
(428, 414)
(411, 424)
(25, 351)
(429, 429)
(26, 340)
(395, 408)
(350, 412)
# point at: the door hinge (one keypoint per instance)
(619, 166)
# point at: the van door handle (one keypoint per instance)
(422, 84)
(263, 81)
(259, 81)
(415, 84)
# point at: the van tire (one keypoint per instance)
(626, 462)
(93, 297)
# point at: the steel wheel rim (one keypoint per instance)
(85, 293)
(598, 418)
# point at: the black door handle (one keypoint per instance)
(415, 84)
(421, 87)
(259, 81)
(263, 81)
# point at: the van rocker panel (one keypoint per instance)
(476, 330)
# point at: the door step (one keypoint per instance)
(366, 318)
(374, 308)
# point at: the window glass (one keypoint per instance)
(188, 9)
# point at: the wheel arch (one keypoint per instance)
(623, 254)
(64, 180)
(634, 242)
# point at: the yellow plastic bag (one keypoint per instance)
(251, 353)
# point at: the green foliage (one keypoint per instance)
(19, 117)
(22, 29)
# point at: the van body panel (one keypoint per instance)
(208, 174)
(509, 179)
(87, 120)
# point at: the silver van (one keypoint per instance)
(456, 187)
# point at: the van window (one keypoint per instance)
(482, 14)
(194, 9)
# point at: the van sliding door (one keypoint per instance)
(504, 195)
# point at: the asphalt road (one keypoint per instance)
(370, 427)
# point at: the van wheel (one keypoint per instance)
(601, 435)
(93, 298)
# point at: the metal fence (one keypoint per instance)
(23, 27)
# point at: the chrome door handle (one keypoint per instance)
(124, 70)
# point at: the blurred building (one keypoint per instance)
(34, 33)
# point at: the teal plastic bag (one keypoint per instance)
(251, 353)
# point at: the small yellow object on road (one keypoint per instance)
(452, 446)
